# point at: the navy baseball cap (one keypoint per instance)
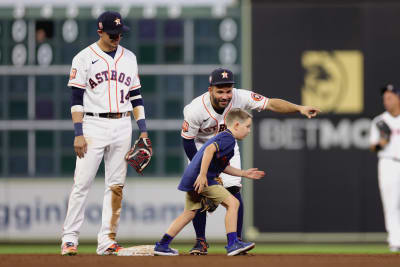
(221, 76)
(111, 22)
(390, 87)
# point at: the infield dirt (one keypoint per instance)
(275, 260)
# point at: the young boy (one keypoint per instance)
(198, 181)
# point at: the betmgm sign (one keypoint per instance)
(333, 81)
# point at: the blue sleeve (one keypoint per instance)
(77, 96)
(190, 147)
(224, 144)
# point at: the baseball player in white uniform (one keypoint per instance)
(105, 90)
(388, 149)
(205, 116)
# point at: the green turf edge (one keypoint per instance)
(219, 249)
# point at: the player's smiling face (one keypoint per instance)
(220, 95)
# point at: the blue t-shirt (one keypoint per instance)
(225, 145)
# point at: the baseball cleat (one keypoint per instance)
(239, 247)
(200, 248)
(69, 249)
(164, 250)
(112, 250)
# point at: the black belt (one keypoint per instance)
(109, 115)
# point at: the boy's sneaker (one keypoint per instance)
(164, 250)
(239, 247)
(69, 249)
(243, 253)
(200, 248)
(112, 250)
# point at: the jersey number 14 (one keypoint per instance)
(122, 96)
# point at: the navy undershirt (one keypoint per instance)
(77, 96)
(112, 53)
(190, 147)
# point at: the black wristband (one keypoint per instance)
(378, 147)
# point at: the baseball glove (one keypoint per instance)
(384, 129)
(139, 156)
(207, 205)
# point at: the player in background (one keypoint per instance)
(105, 89)
(388, 146)
(199, 180)
(205, 116)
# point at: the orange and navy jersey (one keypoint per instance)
(201, 122)
(107, 81)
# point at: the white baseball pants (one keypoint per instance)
(110, 138)
(389, 185)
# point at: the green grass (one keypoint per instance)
(218, 248)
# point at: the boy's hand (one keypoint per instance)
(200, 183)
(253, 173)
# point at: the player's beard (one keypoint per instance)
(219, 105)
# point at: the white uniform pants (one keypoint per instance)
(110, 138)
(389, 185)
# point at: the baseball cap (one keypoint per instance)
(390, 87)
(111, 22)
(221, 76)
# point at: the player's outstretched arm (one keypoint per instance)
(283, 106)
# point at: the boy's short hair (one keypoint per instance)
(237, 114)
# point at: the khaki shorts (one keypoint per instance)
(216, 193)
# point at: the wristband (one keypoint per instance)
(142, 125)
(78, 129)
(378, 147)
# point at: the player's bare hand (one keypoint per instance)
(200, 183)
(383, 142)
(309, 112)
(253, 173)
(80, 146)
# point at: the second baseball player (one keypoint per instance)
(205, 116)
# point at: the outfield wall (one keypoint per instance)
(34, 210)
(321, 177)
